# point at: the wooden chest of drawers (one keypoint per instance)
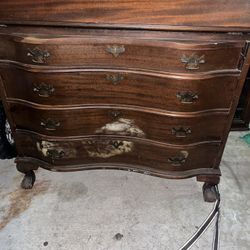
(144, 93)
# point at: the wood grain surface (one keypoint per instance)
(120, 121)
(159, 14)
(99, 150)
(121, 52)
(134, 89)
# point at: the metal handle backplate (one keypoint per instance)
(181, 131)
(38, 56)
(179, 159)
(187, 97)
(193, 61)
(55, 154)
(50, 124)
(43, 90)
(116, 144)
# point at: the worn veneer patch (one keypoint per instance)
(98, 148)
(20, 201)
(47, 148)
(121, 127)
(109, 148)
(69, 192)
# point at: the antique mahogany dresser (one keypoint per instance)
(145, 86)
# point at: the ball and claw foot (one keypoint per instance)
(210, 192)
(28, 180)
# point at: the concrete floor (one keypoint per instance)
(85, 210)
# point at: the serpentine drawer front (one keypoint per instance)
(153, 93)
(121, 121)
(153, 158)
(121, 87)
(105, 51)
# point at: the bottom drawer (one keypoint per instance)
(116, 151)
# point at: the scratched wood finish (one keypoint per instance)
(175, 14)
(119, 87)
(147, 155)
(120, 121)
(125, 53)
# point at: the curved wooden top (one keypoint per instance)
(207, 15)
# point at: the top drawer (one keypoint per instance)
(100, 51)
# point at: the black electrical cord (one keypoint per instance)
(215, 213)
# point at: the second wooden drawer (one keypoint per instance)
(123, 88)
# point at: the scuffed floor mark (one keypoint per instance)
(233, 174)
(72, 191)
(45, 243)
(106, 148)
(118, 236)
(20, 201)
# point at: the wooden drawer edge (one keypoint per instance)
(117, 137)
(126, 167)
(222, 111)
(231, 28)
(152, 73)
(181, 75)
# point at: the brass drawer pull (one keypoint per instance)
(38, 56)
(178, 160)
(116, 144)
(115, 114)
(115, 79)
(181, 132)
(55, 154)
(50, 125)
(115, 50)
(44, 90)
(193, 62)
(187, 97)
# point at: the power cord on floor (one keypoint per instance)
(214, 214)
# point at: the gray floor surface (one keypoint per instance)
(85, 210)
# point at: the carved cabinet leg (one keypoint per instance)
(29, 177)
(210, 192)
(28, 180)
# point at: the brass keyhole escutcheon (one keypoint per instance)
(115, 114)
(115, 78)
(115, 50)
